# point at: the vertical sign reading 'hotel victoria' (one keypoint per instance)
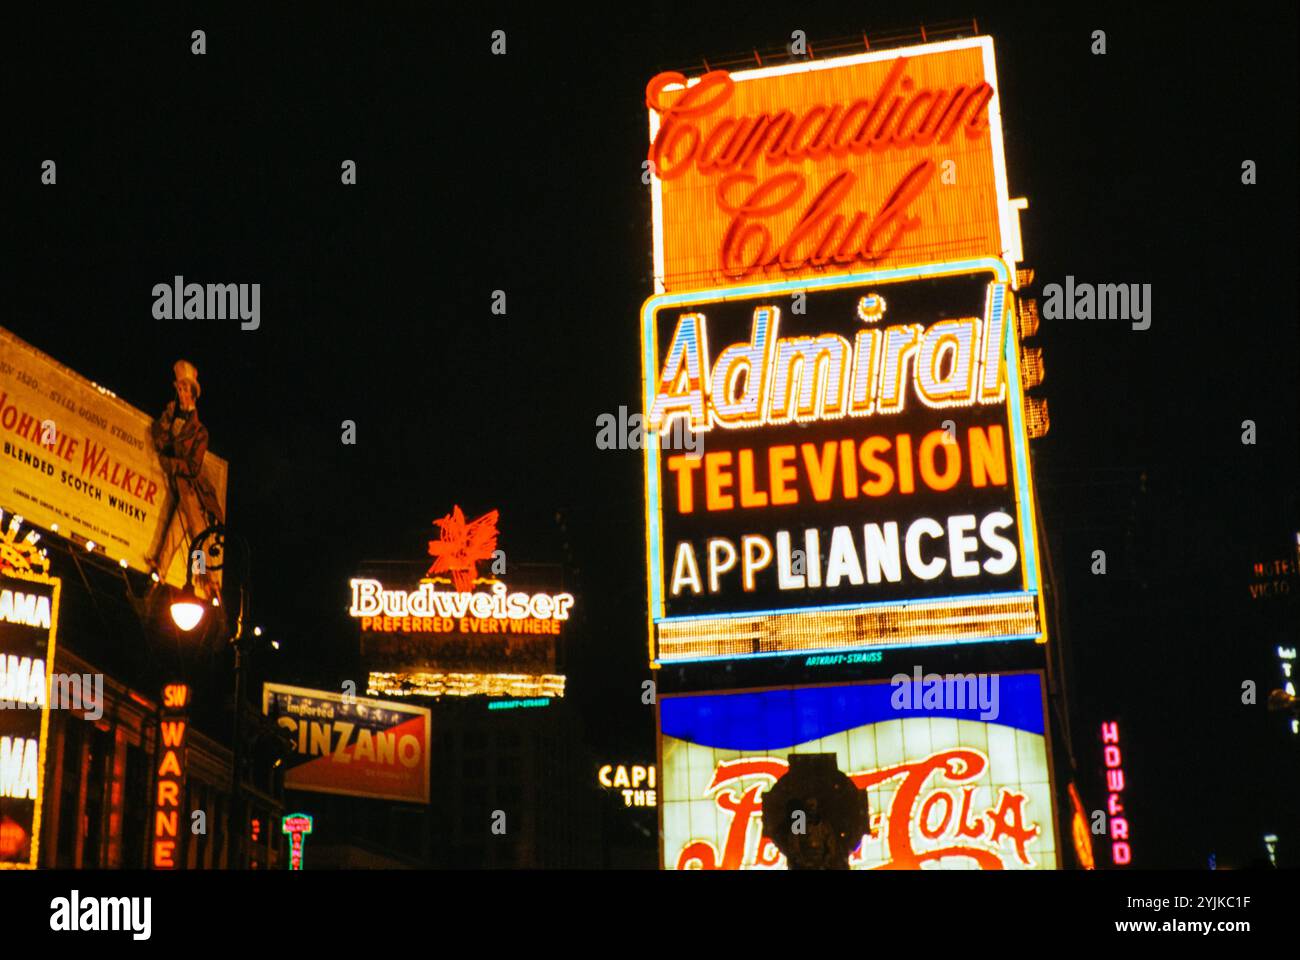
(834, 320)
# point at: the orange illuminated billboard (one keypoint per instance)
(811, 169)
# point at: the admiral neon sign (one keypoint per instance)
(825, 377)
(821, 491)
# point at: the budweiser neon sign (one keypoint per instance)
(371, 599)
(461, 547)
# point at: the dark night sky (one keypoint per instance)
(522, 173)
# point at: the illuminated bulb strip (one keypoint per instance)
(884, 625)
(1037, 421)
(1031, 360)
(451, 684)
(1028, 317)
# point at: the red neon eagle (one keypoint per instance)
(462, 546)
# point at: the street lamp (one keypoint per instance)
(187, 611)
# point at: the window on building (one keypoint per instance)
(74, 731)
(135, 812)
(99, 761)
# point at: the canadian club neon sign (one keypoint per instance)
(902, 113)
(866, 161)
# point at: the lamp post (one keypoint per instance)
(187, 612)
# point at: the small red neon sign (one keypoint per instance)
(297, 826)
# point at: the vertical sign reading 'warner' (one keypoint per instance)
(29, 607)
(169, 824)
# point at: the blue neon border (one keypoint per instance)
(777, 719)
(1019, 445)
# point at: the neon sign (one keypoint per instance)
(1286, 657)
(296, 826)
(859, 485)
(429, 609)
(636, 783)
(984, 804)
(172, 727)
(476, 636)
(29, 613)
(1080, 832)
(463, 545)
(808, 169)
(807, 378)
(1121, 854)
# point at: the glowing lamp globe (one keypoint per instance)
(187, 611)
